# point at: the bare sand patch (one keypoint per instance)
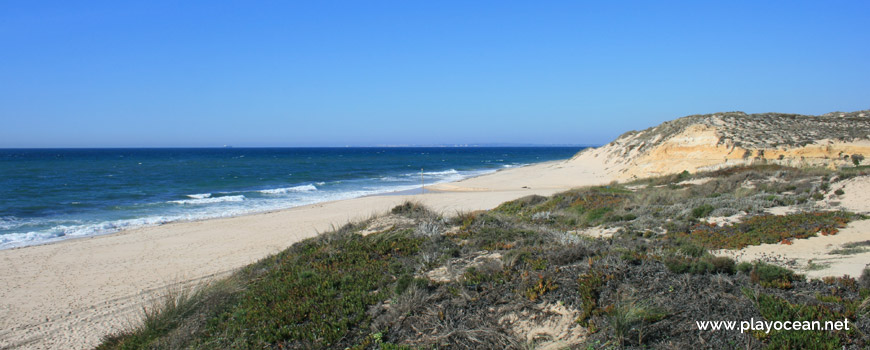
(813, 256)
(549, 326)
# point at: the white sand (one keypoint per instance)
(68, 295)
(818, 249)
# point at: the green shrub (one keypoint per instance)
(690, 248)
(684, 175)
(520, 207)
(472, 277)
(722, 264)
(772, 276)
(630, 314)
(700, 266)
(702, 211)
(589, 285)
(677, 265)
(317, 292)
(864, 280)
(765, 229)
(596, 214)
(774, 308)
(410, 209)
(857, 159)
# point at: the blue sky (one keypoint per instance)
(362, 73)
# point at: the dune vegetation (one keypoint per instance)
(628, 265)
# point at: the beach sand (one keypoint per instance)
(817, 257)
(69, 294)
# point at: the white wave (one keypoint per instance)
(210, 200)
(58, 232)
(303, 188)
(193, 209)
(445, 172)
(8, 222)
(321, 183)
(513, 165)
(392, 178)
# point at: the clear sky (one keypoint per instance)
(364, 73)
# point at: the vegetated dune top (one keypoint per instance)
(712, 141)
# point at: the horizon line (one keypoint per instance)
(267, 147)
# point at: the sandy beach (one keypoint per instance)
(69, 294)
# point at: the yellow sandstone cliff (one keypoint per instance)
(712, 141)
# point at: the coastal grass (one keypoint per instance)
(435, 282)
(317, 296)
(169, 319)
(852, 248)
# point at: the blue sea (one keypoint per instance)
(54, 194)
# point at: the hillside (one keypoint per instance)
(714, 141)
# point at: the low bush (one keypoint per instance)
(589, 285)
(772, 276)
(702, 211)
(766, 229)
(704, 265)
(774, 308)
(318, 296)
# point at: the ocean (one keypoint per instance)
(53, 194)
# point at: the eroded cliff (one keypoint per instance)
(712, 141)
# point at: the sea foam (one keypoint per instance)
(303, 188)
(445, 172)
(209, 200)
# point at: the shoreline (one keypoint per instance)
(71, 293)
(387, 193)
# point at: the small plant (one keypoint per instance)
(702, 211)
(723, 264)
(543, 285)
(857, 159)
(701, 266)
(864, 280)
(630, 314)
(690, 248)
(839, 192)
(852, 248)
(772, 276)
(813, 266)
(589, 285)
(684, 175)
